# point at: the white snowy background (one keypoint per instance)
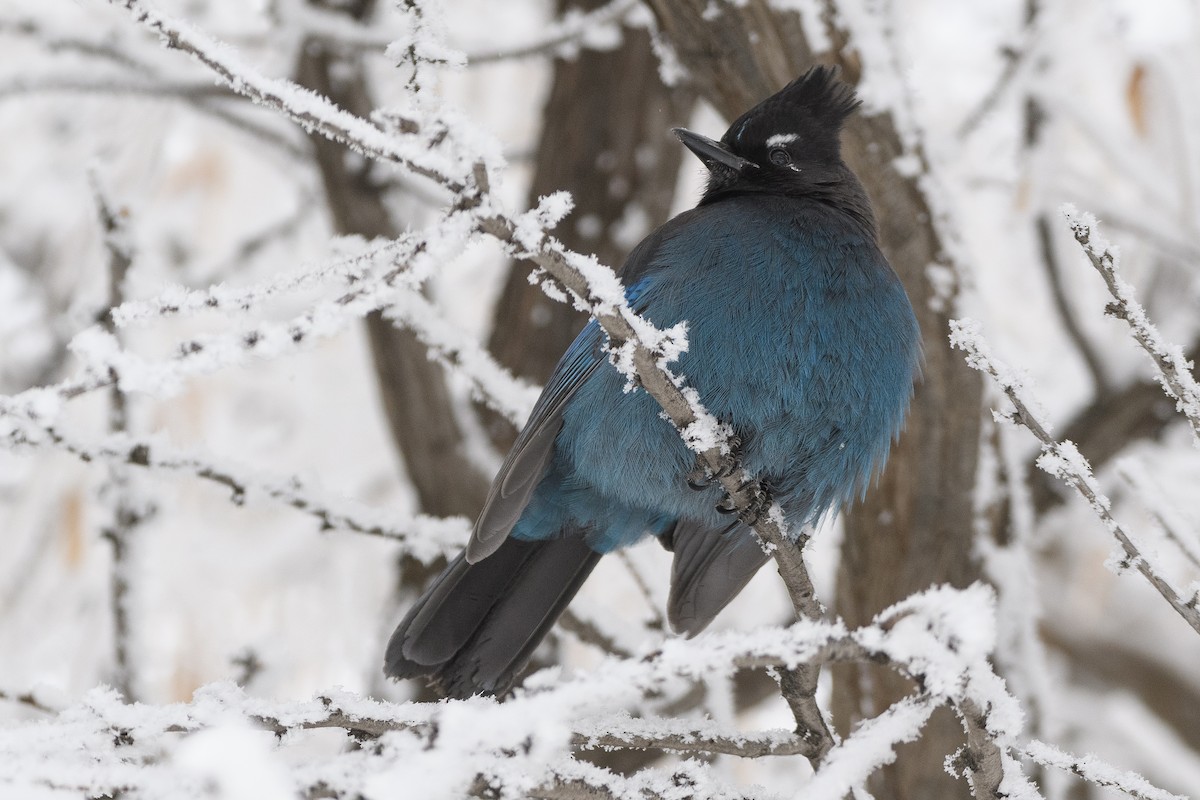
(214, 582)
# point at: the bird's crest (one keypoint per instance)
(816, 102)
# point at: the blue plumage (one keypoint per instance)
(800, 337)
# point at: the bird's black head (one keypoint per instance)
(787, 145)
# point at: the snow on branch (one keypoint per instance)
(617, 731)
(383, 278)
(1063, 460)
(522, 746)
(872, 745)
(1174, 370)
(424, 538)
(312, 111)
(1092, 769)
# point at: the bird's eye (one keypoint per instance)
(780, 157)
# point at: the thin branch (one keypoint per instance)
(427, 538)
(657, 621)
(106, 50)
(312, 112)
(1155, 503)
(127, 514)
(1065, 312)
(254, 244)
(205, 98)
(589, 632)
(1063, 460)
(571, 31)
(184, 90)
(1173, 367)
(1014, 59)
(28, 699)
(1093, 770)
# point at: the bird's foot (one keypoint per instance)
(701, 477)
(760, 502)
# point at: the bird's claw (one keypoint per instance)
(701, 477)
(760, 501)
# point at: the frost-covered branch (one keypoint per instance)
(872, 745)
(1174, 529)
(128, 511)
(1173, 368)
(396, 291)
(1063, 460)
(617, 731)
(308, 109)
(523, 746)
(1092, 769)
(424, 538)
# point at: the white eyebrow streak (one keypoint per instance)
(782, 138)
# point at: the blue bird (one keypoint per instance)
(801, 338)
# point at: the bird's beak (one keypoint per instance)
(711, 152)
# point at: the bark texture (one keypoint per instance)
(915, 527)
(412, 388)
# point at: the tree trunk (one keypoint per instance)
(606, 139)
(412, 387)
(915, 528)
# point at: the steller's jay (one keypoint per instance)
(800, 337)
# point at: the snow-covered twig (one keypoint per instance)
(616, 731)
(107, 364)
(1174, 529)
(1094, 770)
(1173, 368)
(424, 538)
(309, 110)
(579, 780)
(868, 748)
(396, 291)
(127, 512)
(523, 746)
(1063, 460)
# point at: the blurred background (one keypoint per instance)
(127, 171)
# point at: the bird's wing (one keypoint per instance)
(710, 567)
(527, 461)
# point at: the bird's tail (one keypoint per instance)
(477, 625)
